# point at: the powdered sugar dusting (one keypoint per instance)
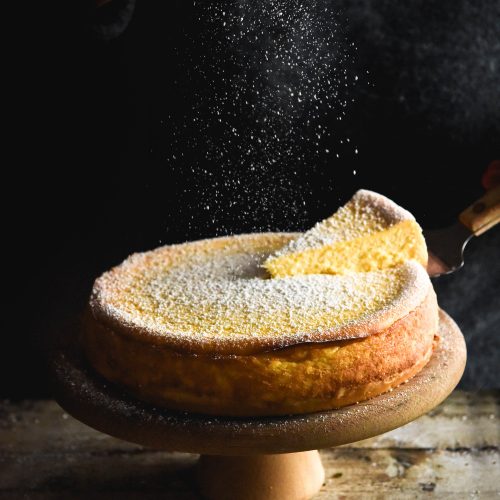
(214, 293)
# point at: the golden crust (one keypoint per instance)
(119, 288)
(298, 379)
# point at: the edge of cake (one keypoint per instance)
(417, 287)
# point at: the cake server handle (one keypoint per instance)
(484, 213)
(446, 245)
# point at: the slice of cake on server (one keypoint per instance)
(369, 232)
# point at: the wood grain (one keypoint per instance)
(452, 452)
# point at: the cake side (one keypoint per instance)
(298, 379)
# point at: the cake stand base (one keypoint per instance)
(260, 477)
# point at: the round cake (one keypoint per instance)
(202, 327)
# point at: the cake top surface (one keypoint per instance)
(365, 213)
(213, 296)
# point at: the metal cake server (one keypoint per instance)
(446, 246)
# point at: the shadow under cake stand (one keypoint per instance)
(255, 458)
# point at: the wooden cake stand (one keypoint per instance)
(255, 458)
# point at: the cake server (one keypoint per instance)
(446, 246)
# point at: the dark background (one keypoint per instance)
(94, 185)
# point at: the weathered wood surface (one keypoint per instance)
(451, 453)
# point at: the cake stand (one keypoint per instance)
(254, 458)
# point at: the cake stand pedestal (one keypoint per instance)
(263, 458)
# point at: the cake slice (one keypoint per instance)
(369, 232)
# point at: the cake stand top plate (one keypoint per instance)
(99, 404)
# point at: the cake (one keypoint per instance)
(202, 327)
(369, 232)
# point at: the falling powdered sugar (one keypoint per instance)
(266, 84)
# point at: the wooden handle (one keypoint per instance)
(484, 213)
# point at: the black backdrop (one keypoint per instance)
(96, 186)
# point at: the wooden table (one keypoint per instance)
(450, 453)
